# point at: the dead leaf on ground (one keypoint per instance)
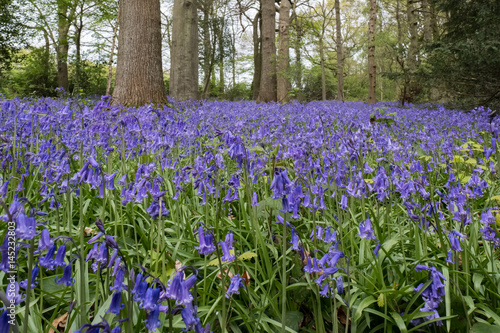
(246, 276)
(60, 324)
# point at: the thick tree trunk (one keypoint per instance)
(221, 56)
(283, 67)
(257, 56)
(267, 90)
(184, 52)
(372, 67)
(340, 53)
(139, 74)
(111, 55)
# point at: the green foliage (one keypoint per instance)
(466, 58)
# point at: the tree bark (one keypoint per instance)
(257, 56)
(296, 46)
(63, 25)
(283, 78)
(184, 51)
(340, 53)
(413, 47)
(372, 67)
(323, 70)
(426, 9)
(111, 55)
(267, 90)
(207, 47)
(139, 74)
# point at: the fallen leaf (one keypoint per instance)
(59, 323)
(246, 276)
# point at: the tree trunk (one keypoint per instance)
(413, 47)
(221, 56)
(111, 55)
(296, 46)
(426, 9)
(184, 52)
(323, 71)
(139, 75)
(340, 53)
(63, 24)
(372, 67)
(78, 55)
(257, 57)
(283, 67)
(267, 90)
(207, 48)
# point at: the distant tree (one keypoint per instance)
(184, 51)
(283, 66)
(139, 74)
(267, 91)
(372, 67)
(10, 33)
(466, 59)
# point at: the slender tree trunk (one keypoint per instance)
(139, 75)
(426, 9)
(233, 55)
(267, 90)
(63, 24)
(297, 46)
(283, 67)
(184, 52)
(257, 56)
(323, 71)
(221, 56)
(111, 55)
(340, 53)
(372, 67)
(78, 55)
(413, 47)
(207, 47)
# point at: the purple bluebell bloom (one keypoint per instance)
(13, 294)
(119, 285)
(234, 286)
(61, 254)
(25, 227)
(5, 322)
(206, 246)
(366, 230)
(34, 274)
(45, 242)
(66, 278)
(47, 261)
(116, 303)
(152, 323)
(150, 302)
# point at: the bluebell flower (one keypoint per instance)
(377, 248)
(3, 189)
(140, 288)
(34, 274)
(234, 286)
(66, 278)
(188, 317)
(119, 285)
(294, 240)
(366, 230)
(343, 202)
(116, 303)
(61, 253)
(226, 252)
(5, 322)
(47, 261)
(150, 302)
(45, 242)
(206, 246)
(324, 290)
(255, 202)
(13, 294)
(25, 226)
(340, 285)
(152, 323)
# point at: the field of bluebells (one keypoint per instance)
(245, 217)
